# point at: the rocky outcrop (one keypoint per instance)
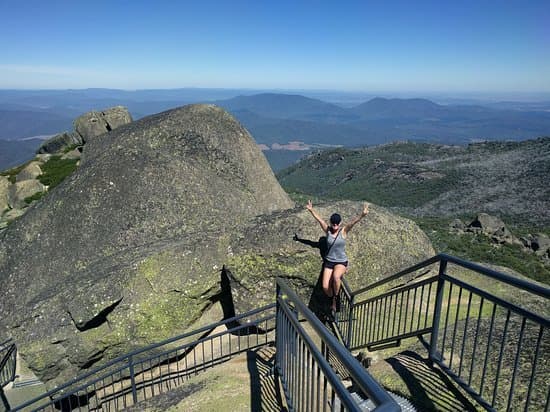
(491, 226)
(495, 229)
(86, 127)
(539, 244)
(93, 124)
(19, 191)
(31, 171)
(67, 146)
(130, 249)
(457, 225)
(174, 184)
(15, 197)
(59, 142)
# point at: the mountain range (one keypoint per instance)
(277, 118)
(382, 120)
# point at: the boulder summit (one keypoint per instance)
(181, 179)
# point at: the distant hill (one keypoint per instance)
(381, 120)
(286, 106)
(379, 108)
(269, 130)
(280, 118)
(505, 178)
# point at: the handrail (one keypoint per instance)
(402, 273)
(526, 285)
(323, 363)
(124, 358)
(359, 375)
(453, 311)
(10, 354)
(5, 343)
(511, 280)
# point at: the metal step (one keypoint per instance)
(368, 405)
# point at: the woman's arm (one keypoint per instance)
(364, 213)
(324, 225)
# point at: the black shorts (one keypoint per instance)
(330, 265)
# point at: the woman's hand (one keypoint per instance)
(365, 209)
(309, 205)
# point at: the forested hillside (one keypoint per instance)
(509, 178)
(436, 184)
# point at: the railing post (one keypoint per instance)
(133, 379)
(278, 349)
(437, 312)
(350, 318)
(5, 402)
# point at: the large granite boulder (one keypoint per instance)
(130, 249)
(540, 244)
(86, 127)
(59, 142)
(31, 171)
(175, 184)
(491, 226)
(93, 124)
(19, 191)
(290, 243)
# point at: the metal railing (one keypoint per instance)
(8, 362)
(160, 367)
(492, 345)
(8, 356)
(304, 357)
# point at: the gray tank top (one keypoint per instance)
(337, 245)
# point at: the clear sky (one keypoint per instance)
(436, 46)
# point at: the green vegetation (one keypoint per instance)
(420, 180)
(385, 177)
(479, 248)
(36, 196)
(55, 170)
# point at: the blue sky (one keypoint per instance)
(438, 46)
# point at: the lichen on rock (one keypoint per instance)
(128, 250)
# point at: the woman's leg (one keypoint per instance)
(337, 273)
(327, 281)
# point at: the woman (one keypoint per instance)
(335, 262)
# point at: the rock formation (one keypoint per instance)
(86, 127)
(495, 229)
(491, 226)
(129, 249)
(26, 185)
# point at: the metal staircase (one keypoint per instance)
(486, 330)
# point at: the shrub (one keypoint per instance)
(56, 169)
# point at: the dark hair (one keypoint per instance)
(335, 219)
